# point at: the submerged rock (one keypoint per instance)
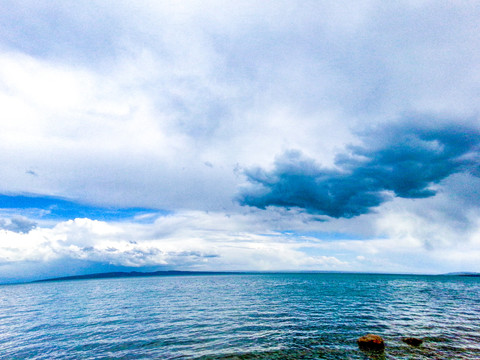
(371, 342)
(412, 341)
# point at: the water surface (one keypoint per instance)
(257, 316)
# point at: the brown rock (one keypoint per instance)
(371, 342)
(412, 341)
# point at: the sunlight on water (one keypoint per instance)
(267, 316)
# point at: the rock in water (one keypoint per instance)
(412, 341)
(371, 342)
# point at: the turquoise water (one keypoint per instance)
(258, 316)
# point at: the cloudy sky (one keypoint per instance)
(245, 135)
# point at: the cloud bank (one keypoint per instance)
(190, 240)
(214, 241)
(404, 160)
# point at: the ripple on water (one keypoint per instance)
(269, 316)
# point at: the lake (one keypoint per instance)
(243, 316)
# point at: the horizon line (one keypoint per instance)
(173, 272)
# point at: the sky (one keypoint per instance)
(247, 135)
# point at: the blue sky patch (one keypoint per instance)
(327, 236)
(52, 208)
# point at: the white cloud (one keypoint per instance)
(194, 241)
(213, 241)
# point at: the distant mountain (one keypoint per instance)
(463, 274)
(121, 274)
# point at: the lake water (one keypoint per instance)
(257, 316)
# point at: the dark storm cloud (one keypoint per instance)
(18, 224)
(402, 160)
